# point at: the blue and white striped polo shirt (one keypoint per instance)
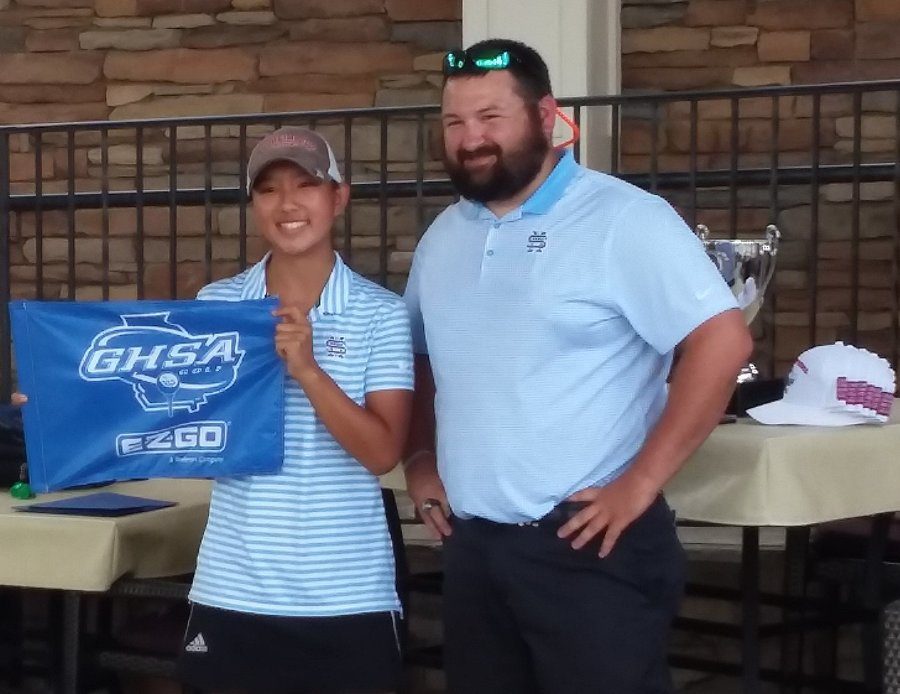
(311, 540)
(550, 333)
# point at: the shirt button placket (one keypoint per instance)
(488, 250)
(493, 230)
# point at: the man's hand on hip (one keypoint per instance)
(427, 492)
(609, 510)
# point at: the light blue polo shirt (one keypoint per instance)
(550, 333)
(312, 540)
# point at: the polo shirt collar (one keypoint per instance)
(541, 200)
(255, 282)
(335, 294)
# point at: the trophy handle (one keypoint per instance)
(773, 236)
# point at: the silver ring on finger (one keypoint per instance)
(429, 504)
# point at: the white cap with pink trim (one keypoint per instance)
(833, 385)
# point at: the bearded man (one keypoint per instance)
(546, 305)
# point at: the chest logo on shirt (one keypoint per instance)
(336, 347)
(537, 242)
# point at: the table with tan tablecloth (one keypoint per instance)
(88, 553)
(752, 474)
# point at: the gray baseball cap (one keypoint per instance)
(302, 146)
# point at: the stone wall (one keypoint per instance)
(708, 44)
(65, 60)
(748, 43)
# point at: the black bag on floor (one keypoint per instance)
(12, 444)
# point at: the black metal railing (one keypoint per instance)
(733, 159)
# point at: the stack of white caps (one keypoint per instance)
(833, 385)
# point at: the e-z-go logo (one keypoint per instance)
(167, 367)
(195, 437)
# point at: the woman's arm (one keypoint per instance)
(373, 434)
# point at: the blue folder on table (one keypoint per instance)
(104, 504)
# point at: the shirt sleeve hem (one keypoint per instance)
(692, 324)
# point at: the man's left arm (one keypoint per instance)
(702, 382)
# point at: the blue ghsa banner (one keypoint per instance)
(123, 390)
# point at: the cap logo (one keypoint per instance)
(292, 140)
(803, 367)
(864, 393)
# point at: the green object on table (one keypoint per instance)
(21, 489)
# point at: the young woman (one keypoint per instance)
(294, 589)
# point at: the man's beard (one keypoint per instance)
(511, 172)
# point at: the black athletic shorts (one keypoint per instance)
(224, 650)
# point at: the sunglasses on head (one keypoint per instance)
(459, 61)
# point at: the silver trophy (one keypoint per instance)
(747, 267)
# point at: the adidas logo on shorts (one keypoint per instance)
(198, 645)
